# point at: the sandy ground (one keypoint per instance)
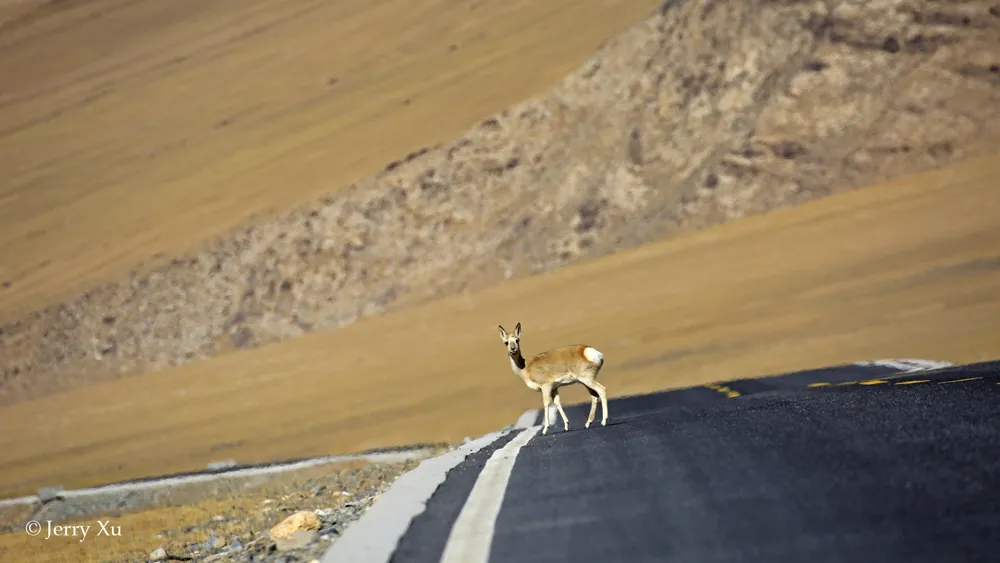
(908, 269)
(126, 125)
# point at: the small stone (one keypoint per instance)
(158, 554)
(219, 543)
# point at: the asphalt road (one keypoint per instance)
(854, 463)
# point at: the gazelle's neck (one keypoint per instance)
(517, 364)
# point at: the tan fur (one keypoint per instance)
(552, 369)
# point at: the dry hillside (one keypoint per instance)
(700, 113)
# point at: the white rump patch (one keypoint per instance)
(593, 355)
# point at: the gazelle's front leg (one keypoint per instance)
(555, 399)
(546, 399)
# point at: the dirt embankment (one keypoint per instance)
(703, 112)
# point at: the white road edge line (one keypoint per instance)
(472, 533)
(926, 364)
(907, 365)
(527, 419)
(374, 537)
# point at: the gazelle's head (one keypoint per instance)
(513, 341)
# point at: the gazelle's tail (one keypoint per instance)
(593, 356)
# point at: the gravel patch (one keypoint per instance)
(337, 499)
(260, 549)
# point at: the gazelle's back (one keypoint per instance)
(559, 361)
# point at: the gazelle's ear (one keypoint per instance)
(517, 331)
(503, 334)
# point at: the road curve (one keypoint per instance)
(887, 461)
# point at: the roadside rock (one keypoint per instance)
(301, 521)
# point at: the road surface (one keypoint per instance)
(851, 463)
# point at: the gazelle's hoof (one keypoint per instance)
(586, 425)
(545, 430)
(566, 428)
(604, 423)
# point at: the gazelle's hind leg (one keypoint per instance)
(593, 405)
(555, 399)
(604, 402)
(597, 391)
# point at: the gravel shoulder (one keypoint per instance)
(222, 520)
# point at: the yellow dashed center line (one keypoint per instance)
(877, 382)
(959, 380)
(723, 389)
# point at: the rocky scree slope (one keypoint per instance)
(703, 112)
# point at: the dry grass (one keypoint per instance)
(147, 130)
(907, 269)
(191, 516)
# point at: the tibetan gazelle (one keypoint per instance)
(550, 370)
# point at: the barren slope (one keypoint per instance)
(702, 112)
(910, 269)
(132, 131)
